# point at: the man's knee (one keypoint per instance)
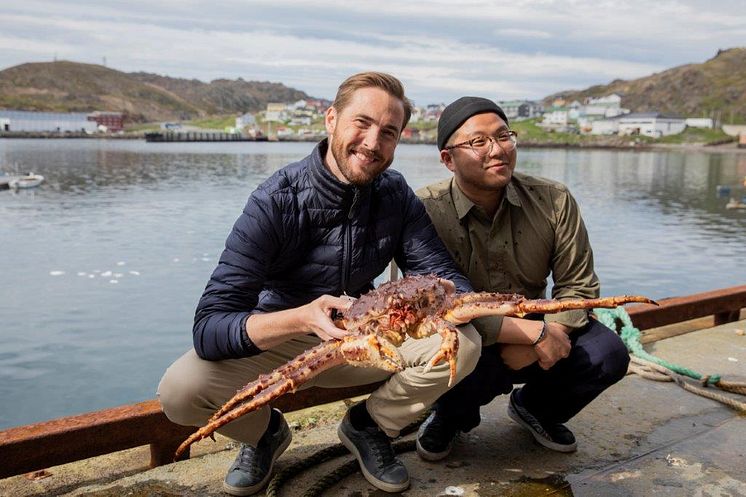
(611, 357)
(180, 396)
(617, 361)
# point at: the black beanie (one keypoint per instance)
(459, 111)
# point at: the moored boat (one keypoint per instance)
(30, 180)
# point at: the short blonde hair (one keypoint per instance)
(372, 79)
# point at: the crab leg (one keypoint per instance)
(367, 351)
(469, 306)
(448, 347)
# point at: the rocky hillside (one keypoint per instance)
(74, 87)
(715, 88)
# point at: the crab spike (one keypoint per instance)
(320, 353)
(448, 348)
(552, 306)
(268, 387)
(469, 306)
(366, 351)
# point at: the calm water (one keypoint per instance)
(102, 266)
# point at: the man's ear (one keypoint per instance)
(447, 159)
(330, 120)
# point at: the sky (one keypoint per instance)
(441, 50)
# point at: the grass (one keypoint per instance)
(213, 122)
(142, 127)
(696, 135)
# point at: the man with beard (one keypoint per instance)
(320, 228)
(508, 232)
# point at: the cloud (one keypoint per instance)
(440, 49)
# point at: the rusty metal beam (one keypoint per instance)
(724, 304)
(59, 441)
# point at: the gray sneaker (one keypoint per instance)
(373, 450)
(553, 436)
(252, 468)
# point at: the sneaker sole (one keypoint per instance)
(242, 491)
(543, 441)
(381, 485)
(432, 456)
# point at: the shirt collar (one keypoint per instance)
(464, 205)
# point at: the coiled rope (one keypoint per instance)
(654, 368)
(348, 468)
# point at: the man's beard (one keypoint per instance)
(364, 176)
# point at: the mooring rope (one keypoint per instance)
(654, 368)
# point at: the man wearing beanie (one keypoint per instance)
(509, 232)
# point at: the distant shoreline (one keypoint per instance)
(728, 147)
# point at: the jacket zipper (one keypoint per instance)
(347, 249)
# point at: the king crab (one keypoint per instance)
(379, 321)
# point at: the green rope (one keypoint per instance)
(631, 338)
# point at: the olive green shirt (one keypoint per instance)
(536, 231)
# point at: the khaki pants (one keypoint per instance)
(192, 389)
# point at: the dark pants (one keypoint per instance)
(597, 360)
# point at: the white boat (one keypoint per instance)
(30, 180)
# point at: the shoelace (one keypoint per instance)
(381, 447)
(247, 459)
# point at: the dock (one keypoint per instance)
(639, 438)
(199, 136)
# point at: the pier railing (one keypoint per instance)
(58, 441)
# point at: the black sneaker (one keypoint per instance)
(252, 468)
(553, 436)
(435, 437)
(372, 448)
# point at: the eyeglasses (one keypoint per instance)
(482, 145)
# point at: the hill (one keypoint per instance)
(75, 87)
(715, 88)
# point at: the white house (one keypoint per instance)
(653, 124)
(699, 122)
(555, 118)
(605, 127)
(612, 100)
(245, 121)
(55, 122)
(4, 124)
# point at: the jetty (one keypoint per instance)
(199, 136)
(640, 437)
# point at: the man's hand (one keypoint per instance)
(317, 316)
(554, 347)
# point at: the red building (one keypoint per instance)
(113, 121)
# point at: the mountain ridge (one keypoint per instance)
(715, 88)
(65, 86)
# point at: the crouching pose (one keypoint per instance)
(319, 228)
(508, 232)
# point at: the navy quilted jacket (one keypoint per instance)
(303, 234)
